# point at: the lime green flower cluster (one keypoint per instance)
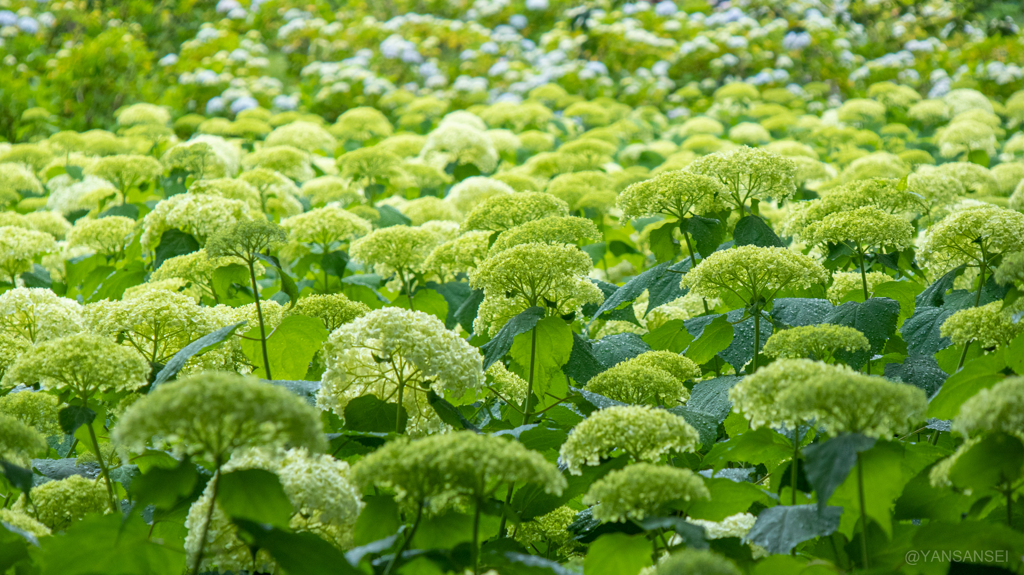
(677, 193)
(59, 504)
(704, 562)
(642, 433)
(644, 490)
(334, 310)
(38, 314)
(845, 282)
(753, 273)
(19, 247)
(819, 342)
(550, 529)
(504, 212)
(989, 325)
(20, 441)
(652, 378)
(83, 364)
(972, 235)
(38, 410)
(107, 236)
(461, 255)
(548, 230)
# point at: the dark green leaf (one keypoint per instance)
(109, 545)
(37, 278)
(934, 295)
(196, 347)
(707, 234)
(614, 349)
(741, 348)
(663, 245)
(797, 312)
(876, 318)
(582, 364)
(74, 416)
(711, 396)
(666, 288)
(19, 477)
(617, 554)
(705, 424)
(977, 374)
(390, 216)
(754, 231)
(174, 184)
(255, 495)
(634, 288)
(502, 342)
(456, 294)
(780, 529)
(368, 413)
(922, 333)
(297, 553)
(829, 463)
(466, 312)
(125, 210)
(76, 172)
(164, 487)
(692, 535)
(334, 262)
(448, 412)
(920, 371)
(174, 243)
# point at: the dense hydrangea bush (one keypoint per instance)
(508, 287)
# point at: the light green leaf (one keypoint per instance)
(710, 337)
(617, 554)
(978, 374)
(552, 350)
(289, 348)
(426, 301)
(256, 495)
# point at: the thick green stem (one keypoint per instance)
(863, 274)
(103, 469)
(1009, 508)
(398, 409)
(529, 387)
(207, 520)
(796, 456)
(757, 335)
(863, 514)
(508, 499)
(476, 539)
(963, 356)
(259, 316)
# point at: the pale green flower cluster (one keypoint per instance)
(753, 272)
(461, 255)
(866, 227)
(737, 525)
(939, 474)
(38, 314)
(47, 222)
(748, 174)
(507, 384)
(68, 196)
(757, 396)
(289, 161)
(528, 275)
(200, 215)
(884, 194)
(577, 188)
(325, 503)
(58, 504)
(214, 414)
(325, 226)
(25, 522)
(643, 490)
(461, 143)
(138, 114)
(971, 235)
(965, 136)
(334, 310)
(459, 464)
(845, 282)
(652, 378)
(503, 212)
(84, 364)
(197, 269)
(362, 124)
(998, 409)
(401, 250)
(975, 178)
(107, 236)
(697, 562)
(204, 156)
(641, 432)
(471, 192)
(16, 179)
(36, 409)
(430, 208)
(11, 346)
(126, 171)
(278, 194)
(394, 351)
(19, 247)
(987, 324)
(229, 189)
(549, 230)
(677, 193)
(550, 529)
(19, 441)
(306, 136)
(330, 189)
(819, 342)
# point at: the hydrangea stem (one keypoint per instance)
(259, 316)
(476, 538)
(529, 387)
(757, 336)
(408, 539)
(103, 469)
(796, 455)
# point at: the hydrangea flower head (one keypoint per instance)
(987, 324)
(396, 249)
(997, 409)
(643, 490)
(126, 171)
(213, 414)
(332, 309)
(306, 136)
(753, 272)
(456, 142)
(550, 230)
(866, 227)
(697, 561)
(19, 247)
(107, 236)
(287, 160)
(38, 314)
(84, 364)
(757, 396)
(815, 342)
(642, 433)
(749, 173)
(59, 504)
(971, 235)
(471, 192)
(362, 124)
(19, 441)
(503, 212)
(199, 215)
(845, 282)
(36, 409)
(324, 226)
(652, 378)
(458, 256)
(678, 193)
(393, 349)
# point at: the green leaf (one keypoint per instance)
(669, 336)
(19, 477)
(164, 487)
(195, 348)
(922, 501)
(174, 243)
(935, 294)
(224, 280)
(741, 348)
(255, 495)
(126, 210)
(290, 347)
(666, 288)
(37, 278)
(968, 537)
(663, 245)
(997, 459)
(617, 554)
(502, 342)
(921, 371)
(979, 157)
(74, 416)
(712, 335)
(334, 262)
(369, 413)
(389, 216)
(903, 292)
(298, 553)
(728, 497)
(887, 467)
(174, 184)
(466, 312)
(114, 284)
(426, 301)
(797, 312)
(759, 446)
(754, 231)
(455, 294)
(448, 412)
(1015, 355)
(922, 332)
(76, 172)
(377, 520)
(634, 288)
(583, 364)
(780, 529)
(106, 544)
(705, 424)
(614, 349)
(287, 283)
(977, 374)
(707, 234)
(828, 464)
(14, 545)
(712, 396)
(552, 350)
(875, 318)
